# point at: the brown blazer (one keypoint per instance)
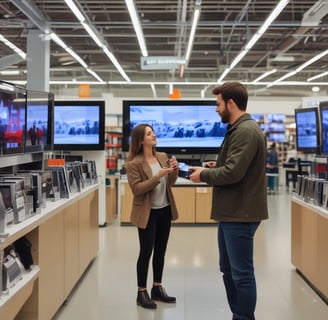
(142, 184)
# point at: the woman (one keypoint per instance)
(151, 175)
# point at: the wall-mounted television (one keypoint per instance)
(181, 127)
(275, 117)
(323, 107)
(12, 119)
(39, 108)
(276, 137)
(307, 130)
(79, 125)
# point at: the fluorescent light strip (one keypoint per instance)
(300, 68)
(76, 57)
(95, 75)
(318, 76)
(153, 90)
(192, 33)
(116, 63)
(9, 72)
(12, 46)
(62, 44)
(75, 10)
(137, 27)
(265, 74)
(100, 42)
(280, 6)
(92, 34)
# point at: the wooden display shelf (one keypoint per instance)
(193, 200)
(13, 301)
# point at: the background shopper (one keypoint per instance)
(151, 175)
(239, 196)
(272, 166)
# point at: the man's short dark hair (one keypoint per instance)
(235, 91)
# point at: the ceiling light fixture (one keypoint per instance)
(153, 90)
(116, 63)
(88, 26)
(137, 27)
(300, 68)
(318, 76)
(265, 74)
(192, 33)
(92, 34)
(280, 6)
(75, 10)
(9, 72)
(12, 47)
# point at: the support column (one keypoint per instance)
(38, 61)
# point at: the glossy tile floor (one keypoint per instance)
(108, 288)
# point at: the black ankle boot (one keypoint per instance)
(144, 300)
(159, 293)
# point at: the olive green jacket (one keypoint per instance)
(142, 184)
(239, 178)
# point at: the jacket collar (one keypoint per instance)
(241, 119)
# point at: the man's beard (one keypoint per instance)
(225, 116)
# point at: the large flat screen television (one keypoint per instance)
(12, 119)
(181, 127)
(323, 107)
(39, 108)
(79, 125)
(307, 130)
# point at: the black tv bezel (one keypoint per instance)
(21, 149)
(170, 150)
(308, 150)
(48, 146)
(86, 146)
(323, 105)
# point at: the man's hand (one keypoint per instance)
(194, 173)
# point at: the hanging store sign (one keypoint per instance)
(160, 63)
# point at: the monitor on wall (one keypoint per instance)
(307, 130)
(39, 108)
(181, 127)
(323, 107)
(79, 125)
(12, 119)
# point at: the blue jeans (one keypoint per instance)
(236, 240)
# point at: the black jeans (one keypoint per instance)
(154, 240)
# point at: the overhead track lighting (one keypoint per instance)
(300, 68)
(274, 14)
(318, 76)
(192, 32)
(264, 75)
(12, 47)
(137, 27)
(98, 39)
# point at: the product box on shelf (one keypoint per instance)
(49, 185)
(24, 186)
(74, 176)
(14, 201)
(3, 213)
(13, 269)
(59, 180)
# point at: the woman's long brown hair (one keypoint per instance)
(137, 136)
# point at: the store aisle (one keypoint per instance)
(108, 288)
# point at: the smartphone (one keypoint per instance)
(168, 163)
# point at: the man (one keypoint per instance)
(239, 199)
